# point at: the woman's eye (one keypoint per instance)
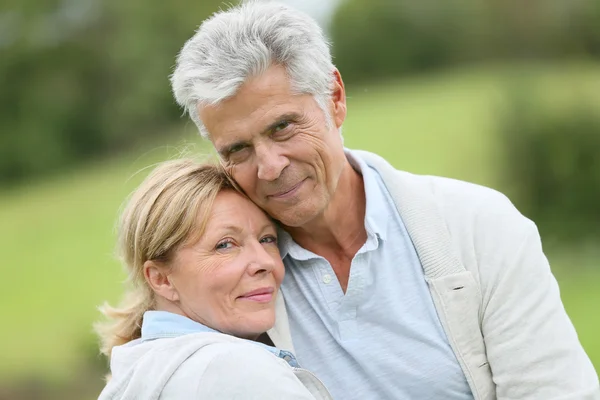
(225, 245)
(268, 239)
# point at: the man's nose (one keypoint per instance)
(270, 162)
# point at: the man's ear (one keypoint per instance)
(338, 99)
(156, 274)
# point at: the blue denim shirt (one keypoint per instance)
(163, 324)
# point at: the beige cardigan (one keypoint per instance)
(492, 287)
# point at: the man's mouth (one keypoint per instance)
(287, 192)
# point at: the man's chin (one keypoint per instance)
(295, 217)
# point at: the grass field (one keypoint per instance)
(57, 235)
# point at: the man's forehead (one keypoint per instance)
(274, 82)
(262, 91)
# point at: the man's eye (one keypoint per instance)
(236, 148)
(281, 126)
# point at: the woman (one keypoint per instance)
(205, 270)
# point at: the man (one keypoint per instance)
(397, 286)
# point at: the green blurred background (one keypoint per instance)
(498, 92)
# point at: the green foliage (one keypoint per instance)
(80, 79)
(552, 162)
(383, 38)
(375, 39)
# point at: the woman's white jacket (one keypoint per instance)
(205, 366)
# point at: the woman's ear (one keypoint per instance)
(157, 276)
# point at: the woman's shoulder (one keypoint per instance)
(201, 349)
(226, 368)
(209, 346)
(216, 353)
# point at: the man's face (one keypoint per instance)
(278, 146)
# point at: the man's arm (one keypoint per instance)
(531, 344)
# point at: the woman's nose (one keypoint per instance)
(260, 260)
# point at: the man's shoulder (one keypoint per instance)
(476, 217)
(470, 209)
(447, 194)
(458, 195)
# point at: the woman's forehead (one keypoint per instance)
(235, 211)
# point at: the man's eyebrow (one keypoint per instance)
(283, 117)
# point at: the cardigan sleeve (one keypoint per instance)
(531, 344)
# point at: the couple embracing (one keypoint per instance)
(299, 269)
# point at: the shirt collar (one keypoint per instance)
(377, 217)
(164, 324)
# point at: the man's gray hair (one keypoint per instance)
(244, 41)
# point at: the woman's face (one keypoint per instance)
(229, 279)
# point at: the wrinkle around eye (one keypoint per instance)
(282, 126)
(239, 156)
(289, 131)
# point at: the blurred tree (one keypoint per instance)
(383, 38)
(375, 39)
(82, 77)
(552, 165)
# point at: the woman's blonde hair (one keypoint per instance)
(169, 209)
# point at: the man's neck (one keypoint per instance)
(340, 229)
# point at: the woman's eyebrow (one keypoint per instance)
(229, 228)
(267, 226)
